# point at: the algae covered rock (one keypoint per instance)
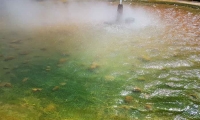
(36, 89)
(56, 88)
(128, 99)
(94, 65)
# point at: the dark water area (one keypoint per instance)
(70, 67)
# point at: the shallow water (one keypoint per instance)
(148, 69)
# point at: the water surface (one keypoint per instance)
(79, 70)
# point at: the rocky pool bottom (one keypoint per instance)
(103, 71)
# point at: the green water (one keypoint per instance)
(105, 72)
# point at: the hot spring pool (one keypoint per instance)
(61, 66)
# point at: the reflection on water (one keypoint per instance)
(143, 70)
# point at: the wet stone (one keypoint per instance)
(137, 90)
(48, 68)
(8, 85)
(25, 62)
(50, 108)
(94, 65)
(63, 84)
(141, 79)
(164, 69)
(126, 107)
(145, 58)
(148, 107)
(43, 49)
(9, 58)
(128, 99)
(25, 79)
(7, 72)
(65, 54)
(193, 96)
(5, 84)
(5, 68)
(14, 47)
(15, 41)
(24, 53)
(109, 78)
(62, 60)
(36, 89)
(56, 88)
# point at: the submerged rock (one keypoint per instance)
(145, 58)
(109, 78)
(14, 46)
(137, 89)
(56, 88)
(62, 60)
(25, 79)
(8, 85)
(50, 108)
(148, 107)
(5, 68)
(63, 84)
(15, 41)
(94, 65)
(43, 49)
(5, 84)
(126, 107)
(128, 99)
(24, 53)
(141, 79)
(193, 96)
(26, 62)
(36, 89)
(9, 58)
(48, 68)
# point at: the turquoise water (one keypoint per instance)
(86, 71)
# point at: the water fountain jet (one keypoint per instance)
(119, 11)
